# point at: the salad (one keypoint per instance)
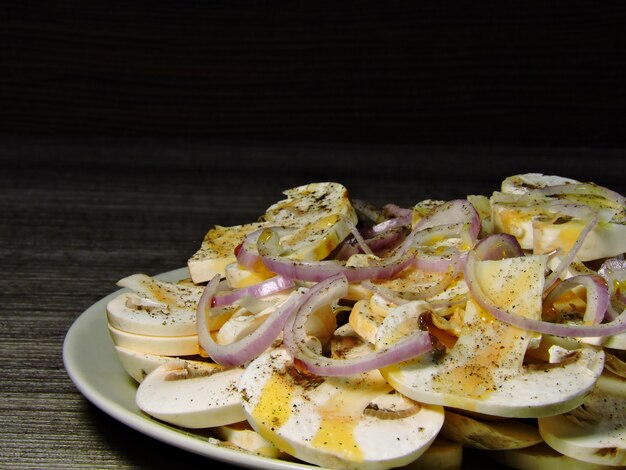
(345, 335)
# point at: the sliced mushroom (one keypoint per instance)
(594, 432)
(138, 364)
(484, 370)
(502, 434)
(191, 397)
(321, 420)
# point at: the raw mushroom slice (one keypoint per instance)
(139, 364)
(365, 320)
(319, 213)
(542, 457)
(191, 397)
(484, 370)
(161, 345)
(326, 420)
(242, 436)
(595, 431)
(315, 218)
(521, 209)
(239, 276)
(509, 433)
(154, 307)
(217, 250)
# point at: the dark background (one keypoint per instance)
(412, 72)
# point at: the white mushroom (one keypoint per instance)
(484, 370)
(595, 431)
(191, 397)
(160, 345)
(335, 422)
(501, 434)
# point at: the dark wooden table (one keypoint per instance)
(78, 214)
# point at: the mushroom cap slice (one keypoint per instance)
(191, 397)
(242, 436)
(315, 218)
(509, 433)
(154, 307)
(138, 364)
(596, 431)
(524, 214)
(484, 370)
(160, 345)
(330, 421)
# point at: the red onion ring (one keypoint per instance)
(453, 218)
(606, 329)
(440, 263)
(319, 270)
(387, 225)
(401, 297)
(573, 210)
(358, 237)
(457, 211)
(613, 271)
(246, 253)
(295, 337)
(249, 347)
(597, 295)
(376, 244)
(264, 288)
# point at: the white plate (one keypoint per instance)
(92, 364)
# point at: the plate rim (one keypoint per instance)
(83, 379)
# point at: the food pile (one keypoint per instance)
(345, 335)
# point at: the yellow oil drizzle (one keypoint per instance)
(477, 377)
(336, 433)
(161, 294)
(569, 233)
(492, 350)
(324, 230)
(341, 413)
(274, 409)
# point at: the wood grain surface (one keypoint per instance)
(79, 214)
(428, 72)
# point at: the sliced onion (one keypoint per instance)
(498, 246)
(401, 218)
(319, 270)
(597, 295)
(246, 253)
(358, 237)
(264, 288)
(389, 224)
(450, 257)
(577, 211)
(558, 329)
(456, 218)
(297, 343)
(613, 271)
(382, 241)
(249, 347)
(453, 269)
(457, 211)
